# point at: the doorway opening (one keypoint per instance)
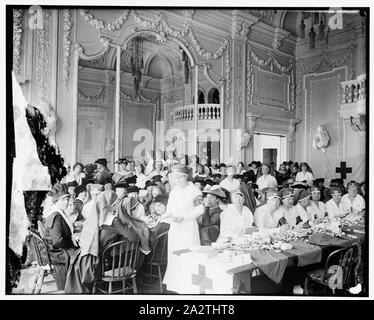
(270, 148)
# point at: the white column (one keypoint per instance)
(117, 106)
(196, 102)
(75, 107)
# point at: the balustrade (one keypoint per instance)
(354, 90)
(204, 112)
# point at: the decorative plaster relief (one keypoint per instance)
(17, 38)
(43, 59)
(68, 24)
(228, 80)
(101, 25)
(97, 97)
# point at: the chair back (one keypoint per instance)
(122, 256)
(41, 230)
(159, 254)
(40, 249)
(348, 259)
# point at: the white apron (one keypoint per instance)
(182, 235)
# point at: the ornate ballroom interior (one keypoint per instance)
(224, 84)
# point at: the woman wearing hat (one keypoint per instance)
(317, 208)
(353, 200)
(335, 208)
(236, 219)
(122, 173)
(268, 216)
(304, 218)
(183, 209)
(103, 174)
(59, 234)
(289, 211)
(209, 221)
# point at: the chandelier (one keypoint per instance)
(136, 61)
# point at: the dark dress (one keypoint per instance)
(209, 224)
(61, 247)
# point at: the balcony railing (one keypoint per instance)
(354, 90)
(204, 112)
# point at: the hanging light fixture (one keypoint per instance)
(136, 61)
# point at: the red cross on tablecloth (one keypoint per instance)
(201, 280)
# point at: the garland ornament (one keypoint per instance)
(17, 38)
(101, 25)
(67, 46)
(95, 97)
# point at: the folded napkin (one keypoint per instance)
(271, 263)
(306, 253)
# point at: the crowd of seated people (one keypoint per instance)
(94, 207)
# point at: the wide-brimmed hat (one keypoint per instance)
(304, 194)
(319, 180)
(79, 189)
(121, 160)
(271, 193)
(102, 161)
(286, 193)
(335, 191)
(299, 185)
(131, 180)
(216, 191)
(253, 162)
(131, 189)
(157, 178)
(315, 189)
(121, 184)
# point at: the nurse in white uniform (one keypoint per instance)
(183, 208)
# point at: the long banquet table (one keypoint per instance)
(256, 271)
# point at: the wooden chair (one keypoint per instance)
(43, 260)
(41, 229)
(122, 257)
(337, 273)
(157, 260)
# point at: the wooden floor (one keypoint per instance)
(49, 287)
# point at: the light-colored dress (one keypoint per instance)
(266, 181)
(335, 211)
(230, 185)
(233, 223)
(315, 211)
(266, 220)
(184, 234)
(358, 203)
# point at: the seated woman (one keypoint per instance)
(76, 174)
(335, 208)
(268, 216)
(289, 211)
(59, 231)
(236, 219)
(266, 179)
(101, 229)
(209, 221)
(304, 218)
(317, 208)
(352, 200)
(305, 174)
